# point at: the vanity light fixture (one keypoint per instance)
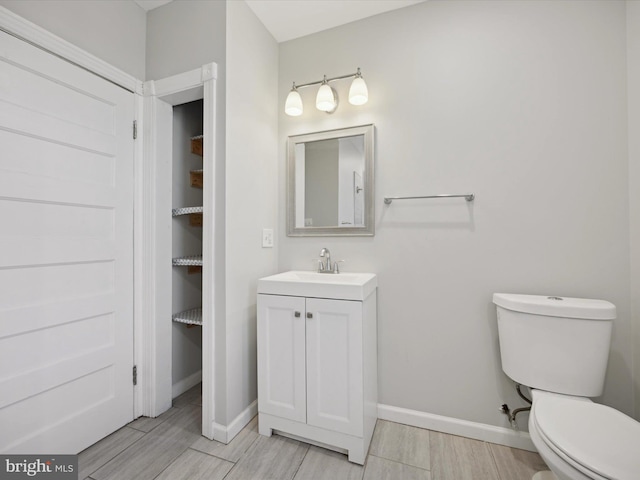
(327, 98)
(293, 105)
(358, 93)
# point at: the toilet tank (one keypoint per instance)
(557, 344)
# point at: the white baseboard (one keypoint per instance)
(226, 434)
(454, 426)
(185, 384)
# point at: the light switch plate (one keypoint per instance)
(267, 238)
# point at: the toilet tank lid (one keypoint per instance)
(582, 308)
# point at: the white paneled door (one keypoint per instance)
(66, 253)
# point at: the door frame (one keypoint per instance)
(22, 28)
(156, 247)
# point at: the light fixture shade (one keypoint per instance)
(293, 105)
(358, 93)
(325, 100)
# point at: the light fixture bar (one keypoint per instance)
(311, 84)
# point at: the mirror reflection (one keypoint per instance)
(331, 187)
(330, 175)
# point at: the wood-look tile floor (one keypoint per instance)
(170, 447)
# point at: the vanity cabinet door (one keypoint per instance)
(334, 365)
(281, 356)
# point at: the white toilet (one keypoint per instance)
(559, 347)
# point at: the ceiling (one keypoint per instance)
(289, 19)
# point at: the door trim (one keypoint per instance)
(156, 378)
(22, 28)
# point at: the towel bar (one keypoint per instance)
(469, 197)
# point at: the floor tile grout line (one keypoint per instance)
(153, 418)
(113, 458)
(301, 462)
(137, 429)
(130, 446)
(495, 462)
(171, 463)
(117, 455)
(214, 456)
(235, 464)
(401, 463)
(143, 431)
(247, 449)
(222, 458)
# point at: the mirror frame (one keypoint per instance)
(368, 178)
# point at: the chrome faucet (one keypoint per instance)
(325, 266)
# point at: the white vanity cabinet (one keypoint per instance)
(317, 369)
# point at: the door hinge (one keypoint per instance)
(135, 129)
(135, 375)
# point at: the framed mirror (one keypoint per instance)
(330, 183)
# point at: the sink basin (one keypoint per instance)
(341, 286)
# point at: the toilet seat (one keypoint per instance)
(595, 439)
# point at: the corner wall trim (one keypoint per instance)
(226, 434)
(454, 426)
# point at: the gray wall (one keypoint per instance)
(112, 31)
(522, 103)
(633, 88)
(183, 35)
(251, 191)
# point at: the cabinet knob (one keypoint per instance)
(309, 315)
(296, 314)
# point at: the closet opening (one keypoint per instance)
(186, 247)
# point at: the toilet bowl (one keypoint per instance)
(582, 440)
(559, 347)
